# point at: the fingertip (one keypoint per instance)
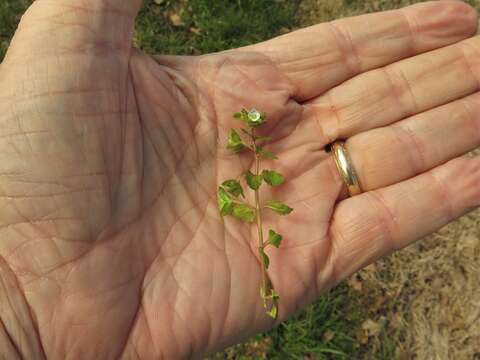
(447, 20)
(462, 176)
(462, 13)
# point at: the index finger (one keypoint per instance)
(322, 56)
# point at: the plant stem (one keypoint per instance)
(261, 244)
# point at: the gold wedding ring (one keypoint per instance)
(345, 168)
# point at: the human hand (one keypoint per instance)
(111, 242)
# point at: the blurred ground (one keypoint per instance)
(427, 296)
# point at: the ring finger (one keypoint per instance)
(388, 155)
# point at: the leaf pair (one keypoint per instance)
(236, 144)
(271, 177)
(227, 205)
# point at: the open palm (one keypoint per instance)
(111, 244)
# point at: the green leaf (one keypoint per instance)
(242, 115)
(233, 187)
(225, 203)
(265, 259)
(274, 238)
(235, 142)
(243, 212)
(266, 154)
(278, 207)
(273, 312)
(253, 181)
(272, 178)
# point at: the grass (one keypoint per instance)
(208, 26)
(327, 329)
(331, 328)
(10, 13)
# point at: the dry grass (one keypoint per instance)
(427, 296)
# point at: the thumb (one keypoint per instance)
(53, 27)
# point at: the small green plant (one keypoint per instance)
(231, 197)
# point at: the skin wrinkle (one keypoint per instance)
(20, 126)
(170, 321)
(134, 324)
(174, 87)
(406, 87)
(323, 137)
(444, 194)
(159, 253)
(221, 328)
(195, 343)
(336, 237)
(288, 100)
(471, 115)
(181, 221)
(34, 196)
(191, 346)
(412, 27)
(300, 300)
(179, 92)
(56, 20)
(41, 220)
(95, 51)
(108, 183)
(15, 315)
(338, 129)
(12, 347)
(468, 63)
(31, 313)
(178, 159)
(127, 282)
(178, 133)
(418, 162)
(32, 132)
(141, 122)
(387, 219)
(70, 91)
(26, 220)
(397, 89)
(60, 265)
(344, 41)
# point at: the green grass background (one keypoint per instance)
(331, 327)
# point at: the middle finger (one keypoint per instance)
(386, 95)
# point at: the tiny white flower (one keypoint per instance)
(254, 115)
